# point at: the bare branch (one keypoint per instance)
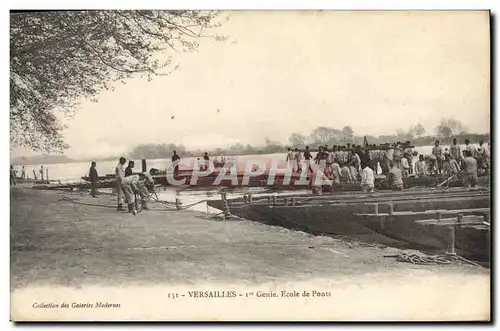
(59, 58)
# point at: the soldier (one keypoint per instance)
(455, 151)
(336, 172)
(120, 176)
(307, 158)
(470, 148)
(12, 176)
(298, 160)
(137, 184)
(367, 179)
(405, 166)
(470, 167)
(128, 169)
(420, 167)
(437, 160)
(289, 158)
(175, 162)
(395, 177)
(346, 175)
(94, 177)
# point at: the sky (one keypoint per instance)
(285, 72)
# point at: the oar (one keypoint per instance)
(447, 180)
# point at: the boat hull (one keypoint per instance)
(337, 217)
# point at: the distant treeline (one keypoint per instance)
(41, 159)
(54, 159)
(159, 151)
(444, 132)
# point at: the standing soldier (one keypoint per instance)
(128, 169)
(307, 158)
(175, 162)
(120, 176)
(289, 158)
(93, 179)
(298, 160)
(470, 167)
(470, 148)
(455, 152)
(12, 176)
(437, 160)
(395, 177)
(367, 179)
(405, 166)
(483, 156)
(206, 162)
(23, 173)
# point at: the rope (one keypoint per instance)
(231, 216)
(193, 204)
(73, 200)
(468, 261)
(66, 198)
(166, 203)
(431, 259)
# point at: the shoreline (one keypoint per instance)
(60, 249)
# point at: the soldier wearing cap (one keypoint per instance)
(128, 170)
(120, 176)
(137, 184)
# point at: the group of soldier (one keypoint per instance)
(456, 162)
(347, 164)
(13, 174)
(128, 185)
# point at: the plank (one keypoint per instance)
(468, 219)
(452, 223)
(429, 212)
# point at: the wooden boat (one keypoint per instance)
(279, 181)
(20, 180)
(100, 178)
(337, 215)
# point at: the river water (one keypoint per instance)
(73, 171)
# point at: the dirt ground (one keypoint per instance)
(56, 242)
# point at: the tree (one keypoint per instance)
(58, 58)
(238, 148)
(249, 149)
(449, 127)
(325, 135)
(403, 136)
(156, 151)
(272, 146)
(348, 134)
(418, 130)
(297, 140)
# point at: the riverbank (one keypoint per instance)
(59, 244)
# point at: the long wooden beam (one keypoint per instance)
(465, 220)
(429, 212)
(370, 200)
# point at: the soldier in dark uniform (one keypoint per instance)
(12, 176)
(94, 178)
(128, 169)
(175, 162)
